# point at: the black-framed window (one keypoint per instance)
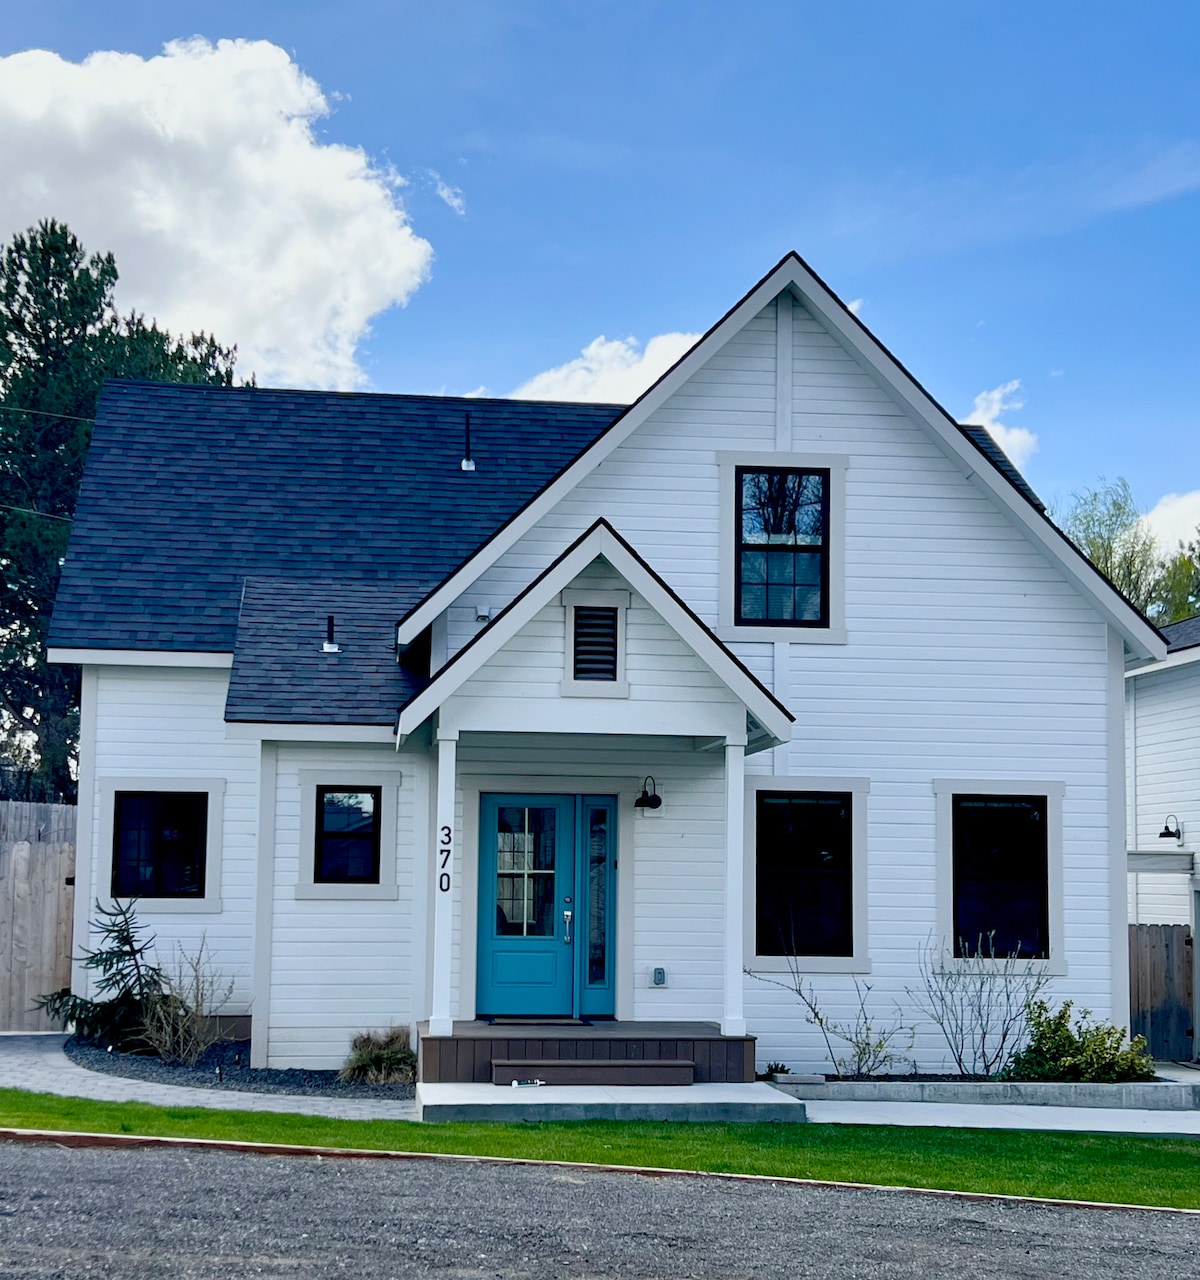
(348, 827)
(159, 844)
(1001, 876)
(782, 553)
(804, 873)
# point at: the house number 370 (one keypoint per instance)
(445, 848)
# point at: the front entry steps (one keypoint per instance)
(603, 1053)
(628, 1071)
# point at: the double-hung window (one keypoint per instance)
(348, 833)
(782, 556)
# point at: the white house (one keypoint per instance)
(1162, 724)
(440, 711)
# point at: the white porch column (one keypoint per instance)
(733, 1020)
(440, 1023)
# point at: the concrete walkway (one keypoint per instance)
(37, 1062)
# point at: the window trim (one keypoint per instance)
(730, 536)
(214, 789)
(308, 888)
(860, 788)
(944, 790)
(600, 598)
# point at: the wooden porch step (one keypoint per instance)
(664, 1071)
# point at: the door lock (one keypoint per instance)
(567, 918)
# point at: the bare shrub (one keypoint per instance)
(182, 1022)
(978, 1001)
(380, 1057)
(872, 1043)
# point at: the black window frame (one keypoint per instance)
(768, 882)
(742, 547)
(126, 880)
(320, 875)
(976, 930)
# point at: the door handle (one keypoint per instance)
(567, 917)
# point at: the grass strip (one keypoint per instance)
(1060, 1166)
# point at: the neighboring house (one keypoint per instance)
(1162, 730)
(425, 709)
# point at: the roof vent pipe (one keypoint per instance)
(468, 463)
(330, 645)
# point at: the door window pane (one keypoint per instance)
(597, 872)
(525, 865)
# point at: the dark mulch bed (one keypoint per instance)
(233, 1059)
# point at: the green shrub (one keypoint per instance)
(380, 1057)
(1087, 1051)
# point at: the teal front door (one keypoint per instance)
(547, 867)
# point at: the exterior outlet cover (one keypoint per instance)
(658, 977)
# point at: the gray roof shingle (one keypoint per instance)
(189, 490)
(1182, 635)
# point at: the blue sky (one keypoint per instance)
(1012, 191)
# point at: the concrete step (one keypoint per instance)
(578, 1071)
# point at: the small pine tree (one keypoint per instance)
(126, 980)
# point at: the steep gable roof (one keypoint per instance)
(772, 719)
(189, 490)
(965, 446)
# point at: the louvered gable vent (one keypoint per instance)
(595, 643)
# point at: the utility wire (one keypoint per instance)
(29, 511)
(41, 413)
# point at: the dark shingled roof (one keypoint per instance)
(282, 675)
(190, 490)
(982, 441)
(1182, 635)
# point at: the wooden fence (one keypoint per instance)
(37, 896)
(1160, 988)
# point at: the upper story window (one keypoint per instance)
(159, 844)
(782, 560)
(348, 829)
(782, 551)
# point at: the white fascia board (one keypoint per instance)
(598, 542)
(1182, 658)
(260, 731)
(792, 274)
(140, 658)
(725, 329)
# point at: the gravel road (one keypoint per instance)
(198, 1215)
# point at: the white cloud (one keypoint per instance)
(1175, 518)
(856, 306)
(200, 170)
(1019, 443)
(614, 371)
(452, 196)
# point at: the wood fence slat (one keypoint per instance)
(1160, 988)
(37, 855)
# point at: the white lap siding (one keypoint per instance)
(168, 723)
(968, 653)
(1164, 728)
(337, 966)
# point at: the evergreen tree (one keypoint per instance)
(60, 337)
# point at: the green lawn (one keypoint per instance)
(1156, 1171)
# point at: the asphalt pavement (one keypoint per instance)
(199, 1215)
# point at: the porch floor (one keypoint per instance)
(467, 1054)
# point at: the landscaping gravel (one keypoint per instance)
(227, 1066)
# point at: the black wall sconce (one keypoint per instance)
(1171, 833)
(649, 799)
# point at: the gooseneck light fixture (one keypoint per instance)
(649, 799)
(1171, 833)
